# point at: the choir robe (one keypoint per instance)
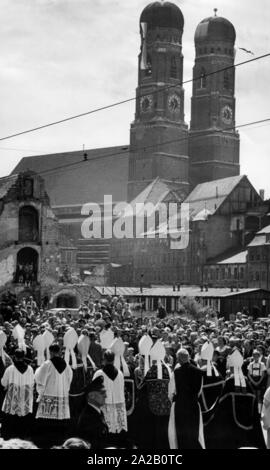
(17, 408)
(114, 408)
(235, 422)
(53, 381)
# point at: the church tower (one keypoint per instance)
(213, 142)
(159, 134)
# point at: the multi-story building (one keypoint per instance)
(165, 162)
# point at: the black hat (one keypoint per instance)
(95, 386)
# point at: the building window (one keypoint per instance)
(223, 273)
(226, 80)
(229, 273)
(173, 70)
(149, 64)
(202, 81)
(241, 273)
(212, 50)
(28, 224)
(28, 187)
(235, 273)
(257, 276)
(217, 274)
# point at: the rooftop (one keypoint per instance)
(167, 291)
(70, 180)
(210, 195)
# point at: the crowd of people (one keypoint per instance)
(106, 377)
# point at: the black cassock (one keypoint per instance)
(152, 410)
(188, 419)
(211, 391)
(235, 422)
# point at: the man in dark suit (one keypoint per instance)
(91, 424)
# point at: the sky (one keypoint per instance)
(64, 57)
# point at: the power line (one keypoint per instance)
(118, 103)
(127, 150)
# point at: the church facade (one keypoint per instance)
(166, 161)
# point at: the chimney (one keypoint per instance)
(173, 287)
(231, 288)
(178, 286)
(201, 288)
(206, 287)
(262, 193)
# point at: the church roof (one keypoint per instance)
(210, 195)
(162, 15)
(215, 28)
(69, 180)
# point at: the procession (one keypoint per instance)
(106, 378)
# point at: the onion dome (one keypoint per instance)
(214, 29)
(162, 15)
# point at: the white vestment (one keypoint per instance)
(53, 389)
(114, 410)
(19, 396)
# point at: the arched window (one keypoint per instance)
(226, 80)
(173, 70)
(202, 80)
(27, 266)
(28, 224)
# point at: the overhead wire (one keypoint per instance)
(118, 103)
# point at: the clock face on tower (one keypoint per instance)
(146, 103)
(227, 114)
(174, 103)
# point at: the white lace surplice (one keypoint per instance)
(114, 410)
(53, 389)
(19, 396)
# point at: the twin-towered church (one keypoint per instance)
(166, 160)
